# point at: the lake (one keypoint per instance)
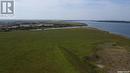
(113, 27)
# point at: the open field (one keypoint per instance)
(53, 51)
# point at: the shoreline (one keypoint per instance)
(74, 27)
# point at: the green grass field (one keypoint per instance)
(52, 51)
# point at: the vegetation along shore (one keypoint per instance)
(79, 50)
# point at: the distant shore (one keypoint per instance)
(113, 21)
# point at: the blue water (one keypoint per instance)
(117, 28)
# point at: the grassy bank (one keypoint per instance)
(52, 51)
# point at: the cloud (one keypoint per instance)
(72, 9)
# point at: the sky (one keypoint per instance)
(71, 9)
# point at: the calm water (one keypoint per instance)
(117, 28)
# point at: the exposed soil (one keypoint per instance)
(113, 58)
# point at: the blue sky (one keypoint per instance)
(71, 9)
